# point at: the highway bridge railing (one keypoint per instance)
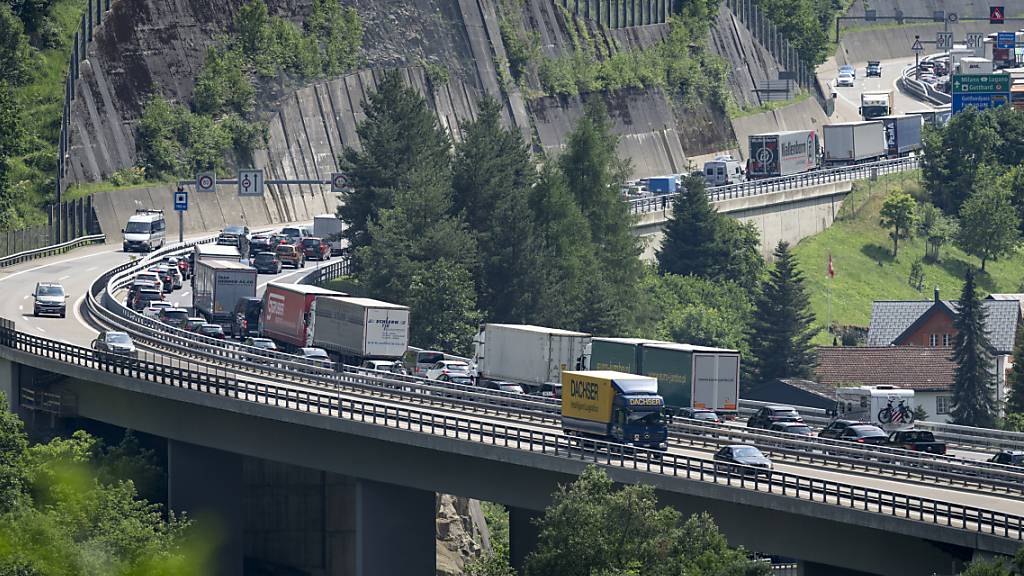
(329, 404)
(51, 250)
(803, 180)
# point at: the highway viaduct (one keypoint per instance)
(380, 482)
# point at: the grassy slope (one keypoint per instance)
(865, 270)
(41, 99)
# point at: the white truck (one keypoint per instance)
(854, 142)
(875, 104)
(776, 154)
(217, 252)
(357, 329)
(528, 355)
(328, 227)
(218, 285)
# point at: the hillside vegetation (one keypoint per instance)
(865, 270)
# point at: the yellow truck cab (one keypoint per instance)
(614, 406)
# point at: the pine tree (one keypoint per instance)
(973, 404)
(1015, 379)
(402, 147)
(491, 180)
(783, 323)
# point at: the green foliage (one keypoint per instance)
(442, 306)
(783, 323)
(15, 53)
(36, 16)
(130, 176)
(989, 226)
(898, 213)
(1000, 566)
(520, 52)
(701, 242)
(436, 74)
(339, 33)
(694, 310)
(920, 414)
(223, 86)
(973, 404)
(936, 228)
(805, 23)
(13, 449)
(591, 529)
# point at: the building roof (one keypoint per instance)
(827, 391)
(913, 367)
(890, 320)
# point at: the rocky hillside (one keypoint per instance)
(149, 45)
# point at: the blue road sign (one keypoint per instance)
(181, 201)
(1006, 40)
(979, 100)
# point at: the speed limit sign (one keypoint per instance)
(206, 182)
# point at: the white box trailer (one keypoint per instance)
(853, 142)
(888, 407)
(777, 154)
(360, 328)
(328, 227)
(218, 285)
(531, 355)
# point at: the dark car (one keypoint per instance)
(874, 69)
(700, 414)
(291, 255)
(166, 277)
(231, 235)
(245, 320)
(499, 385)
(211, 330)
(792, 428)
(1009, 457)
(864, 434)
(50, 298)
(144, 296)
(266, 263)
(835, 428)
(316, 249)
(193, 323)
(176, 317)
(111, 345)
(742, 459)
(769, 415)
(916, 441)
(180, 263)
(278, 239)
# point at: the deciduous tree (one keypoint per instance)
(989, 227)
(973, 382)
(898, 213)
(936, 228)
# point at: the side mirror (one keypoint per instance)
(122, 230)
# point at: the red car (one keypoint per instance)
(316, 249)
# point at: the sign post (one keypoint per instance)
(917, 48)
(180, 206)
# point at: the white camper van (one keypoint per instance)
(145, 230)
(723, 170)
(888, 407)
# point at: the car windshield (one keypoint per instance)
(705, 416)
(455, 366)
(314, 353)
(290, 232)
(263, 343)
(137, 228)
(234, 230)
(746, 452)
(867, 431)
(213, 328)
(466, 380)
(787, 413)
(264, 256)
(797, 429)
(429, 358)
(311, 242)
(118, 338)
(284, 249)
(176, 314)
(50, 291)
(514, 388)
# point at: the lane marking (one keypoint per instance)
(21, 306)
(25, 297)
(78, 315)
(91, 268)
(41, 329)
(63, 278)
(65, 261)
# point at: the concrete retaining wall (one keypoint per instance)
(804, 115)
(789, 215)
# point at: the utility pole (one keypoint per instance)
(181, 219)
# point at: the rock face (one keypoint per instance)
(461, 534)
(144, 46)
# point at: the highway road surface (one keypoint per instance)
(848, 98)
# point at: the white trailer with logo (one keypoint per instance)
(888, 407)
(778, 154)
(358, 329)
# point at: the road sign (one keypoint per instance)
(917, 47)
(206, 182)
(181, 201)
(996, 14)
(1006, 40)
(250, 182)
(871, 15)
(939, 16)
(944, 40)
(339, 182)
(974, 39)
(981, 83)
(979, 100)
(952, 17)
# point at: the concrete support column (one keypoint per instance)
(9, 383)
(207, 484)
(394, 530)
(815, 569)
(522, 535)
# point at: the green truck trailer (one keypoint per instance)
(688, 376)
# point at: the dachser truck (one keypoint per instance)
(614, 406)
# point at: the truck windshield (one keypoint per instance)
(645, 418)
(875, 111)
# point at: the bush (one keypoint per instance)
(223, 85)
(129, 176)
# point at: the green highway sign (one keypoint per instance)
(973, 83)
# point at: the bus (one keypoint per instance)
(888, 407)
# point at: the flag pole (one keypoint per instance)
(831, 276)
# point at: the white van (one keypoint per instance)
(723, 170)
(145, 230)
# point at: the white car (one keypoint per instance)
(154, 308)
(844, 80)
(447, 367)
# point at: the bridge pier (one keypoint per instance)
(394, 530)
(9, 383)
(522, 535)
(207, 483)
(815, 569)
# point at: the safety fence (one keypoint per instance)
(327, 403)
(70, 224)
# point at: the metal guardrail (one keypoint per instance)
(922, 90)
(50, 250)
(663, 202)
(200, 378)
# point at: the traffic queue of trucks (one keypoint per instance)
(218, 285)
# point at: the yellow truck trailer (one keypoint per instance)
(614, 406)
